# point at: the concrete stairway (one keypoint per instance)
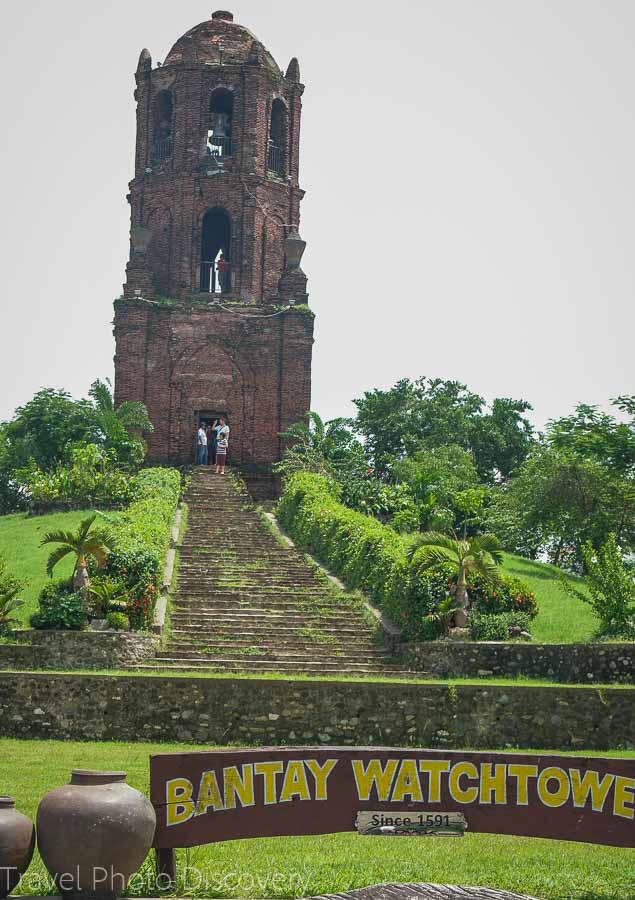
(245, 602)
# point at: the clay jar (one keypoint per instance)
(17, 840)
(94, 833)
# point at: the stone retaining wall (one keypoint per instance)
(261, 712)
(564, 663)
(78, 650)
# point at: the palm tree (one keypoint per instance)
(472, 555)
(318, 446)
(131, 415)
(84, 543)
(9, 603)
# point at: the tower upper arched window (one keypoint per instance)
(219, 126)
(278, 127)
(216, 274)
(163, 125)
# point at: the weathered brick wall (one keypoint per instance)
(179, 360)
(78, 650)
(564, 663)
(261, 712)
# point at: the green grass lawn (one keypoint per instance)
(296, 867)
(561, 619)
(20, 537)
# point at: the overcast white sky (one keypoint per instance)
(470, 178)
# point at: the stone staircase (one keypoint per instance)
(247, 602)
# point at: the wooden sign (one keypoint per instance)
(222, 795)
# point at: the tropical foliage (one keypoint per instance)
(86, 543)
(611, 589)
(325, 448)
(42, 449)
(371, 556)
(432, 412)
(92, 476)
(466, 557)
(117, 426)
(9, 600)
(434, 457)
(142, 538)
(118, 568)
(60, 607)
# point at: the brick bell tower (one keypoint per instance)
(214, 318)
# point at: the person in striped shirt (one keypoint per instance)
(221, 453)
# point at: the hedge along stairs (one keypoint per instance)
(245, 602)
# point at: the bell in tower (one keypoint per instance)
(214, 317)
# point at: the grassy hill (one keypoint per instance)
(20, 537)
(561, 619)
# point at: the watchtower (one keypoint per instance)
(214, 317)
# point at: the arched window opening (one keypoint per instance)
(163, 116)
(277, 138)
(216, 272)
(219, 128)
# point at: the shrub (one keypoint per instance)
(91, 477)
(142, 538)
(509, 594)
(373, 557)
(365, 553)
(611, 589)
(60, 608)
(118, 621)
(495, 627)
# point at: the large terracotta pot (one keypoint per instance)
(94, 833)
(17, 840)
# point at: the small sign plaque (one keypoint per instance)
(411, 822)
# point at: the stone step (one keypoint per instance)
(292, 655)
(249, 632)
(249, 581)
(198, 595)
(260, 621)
(241, 612)
(298, 643)
(285, 612)
(247, 603)
(252, 664)
(318, 604)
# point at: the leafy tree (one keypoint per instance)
(445, 487)
(501, 439)
(558, 502)
(611, 589)
(432, 412)
(469, 556)
(44, 433)
(45, 427)
(595, 435)
(11, 497)
(84, 543)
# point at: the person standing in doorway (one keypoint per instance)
(222, 267)
(221, 428)
(201, 446)
(211, 439)
(221, 454)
